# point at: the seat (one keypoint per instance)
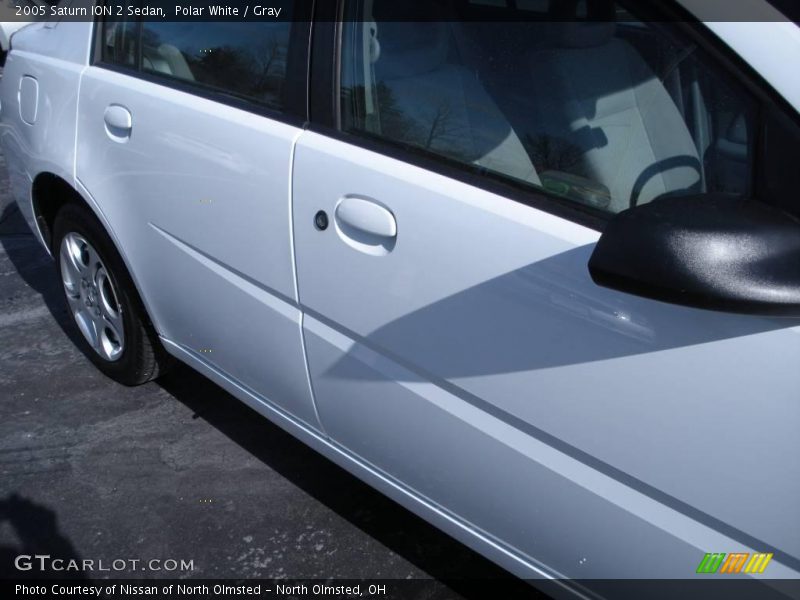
(603, 114)
(427, 101)
(167, 59)
(178, 67)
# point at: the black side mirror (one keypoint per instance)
(707, 251)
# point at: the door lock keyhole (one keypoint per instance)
(321, 220)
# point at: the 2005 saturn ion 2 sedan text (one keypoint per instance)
(532, 269)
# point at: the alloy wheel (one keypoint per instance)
(92, 297)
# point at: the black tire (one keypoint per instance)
(143, 358)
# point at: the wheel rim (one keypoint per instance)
(92, 297)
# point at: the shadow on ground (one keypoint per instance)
(36, 528)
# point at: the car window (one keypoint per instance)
(243, 59)
(246, 59)
(601, 113)
(120, 40)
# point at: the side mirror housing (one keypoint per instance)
(707, 251)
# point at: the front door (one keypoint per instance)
(457, 343)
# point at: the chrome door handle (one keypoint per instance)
(359, 215)
(119, 122)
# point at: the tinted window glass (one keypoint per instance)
(243, 59)
(779, 177)
(603, 114)
(120, 42)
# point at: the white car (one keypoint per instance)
(532, 272)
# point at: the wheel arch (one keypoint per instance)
(49, 193)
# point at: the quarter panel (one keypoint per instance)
(55, 58)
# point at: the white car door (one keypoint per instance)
(458, 344)
(185, 140)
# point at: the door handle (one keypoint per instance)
(366, 216)
(365, 225)
(119, 122)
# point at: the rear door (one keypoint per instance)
(457, 343)
(185, 141)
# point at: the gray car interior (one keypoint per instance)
(168, 60)
(574, 102)
(434, 103)
(604, 101)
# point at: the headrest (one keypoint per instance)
(583, 23)
(408, 49)
(576, 34)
